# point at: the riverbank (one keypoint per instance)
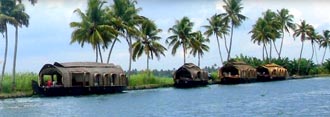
(141, 83)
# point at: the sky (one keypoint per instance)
(47, 38)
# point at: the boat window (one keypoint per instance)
(183, 73)
(97, 78)
(106, 79)
(114, 79)
(124, 80)
(51, 80)
(78, 79)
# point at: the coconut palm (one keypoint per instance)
(325, 42)
(274, 29)
(5, 18)
(127, 13)
(198, 45)
(148, 44)
(233, 9)
(260, 35)
(286, 23)
(218, 27)
(22, 19)
(314, 37)
(93, 28)
(182, 36)
(302, 30)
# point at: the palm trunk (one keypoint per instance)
(96, 54)
(226, 44)
(263, 52)
(184, 52)
(270, 52)
(279, 55)
(325, 51)
(266, 52)
(15, 55)
(311, 59)
(317, 59)
(276, 49)
(231, 40)
(5, 58)
(301, 50)
(99, 49)
(199, 60)
(129, 41)
(113, 44)
(219, 49)
(148, 65)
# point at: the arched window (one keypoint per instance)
(97, 78)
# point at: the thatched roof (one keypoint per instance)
(192, 68)
(239, 65)
(272, 66)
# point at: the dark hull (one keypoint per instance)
(229, 80)
(72, 91)
(265, 79)
(189, 83)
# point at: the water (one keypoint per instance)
(306, 97)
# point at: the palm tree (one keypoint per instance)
(260, 34)
(314, 37)
(148, 43)
(273, 26)
(127, 13)
(286, 23)
(182, 36)
(302, 30)
(93, 28)
(198, 46)
(5, 18)
(233, 9)
(325, 42)
(22, 19)
(218, 27)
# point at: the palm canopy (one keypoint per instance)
(302, 30)
(286, 20)
(182, 34)
(233, 9)
(20, 15)
(198, 44)
(148, 43)
(217, 26)
(93, 27)
(325, 40)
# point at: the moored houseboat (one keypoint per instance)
(237, 72)
(79, 78)
(271, 72)
(190, 75)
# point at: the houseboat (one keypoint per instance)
(190, 75)
(237, 72)
(271, 72)
(79, 78)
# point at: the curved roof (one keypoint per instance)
(272, 66)
(238, 65)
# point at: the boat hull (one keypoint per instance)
(229, 80)
(189, 83)
(73, 91)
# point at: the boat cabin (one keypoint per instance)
(236, 72)
(82, 76)
(271, 72)
(190, 74)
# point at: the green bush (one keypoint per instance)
(143, 79)
(23, 82)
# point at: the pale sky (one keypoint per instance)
(47, 39)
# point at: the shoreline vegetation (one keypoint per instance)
(148, 80)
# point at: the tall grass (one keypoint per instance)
(23, 82)
(143, 79)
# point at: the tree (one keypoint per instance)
(182, 36)
(314, 37)
(302, 30)
(233, 9)
(274, 30)
(6, 6)
(22, 19)
(93, 28)
(126, 12)
(198, 46)
(325, 42)
(286, 23)
(148, 43)
(218, 27)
